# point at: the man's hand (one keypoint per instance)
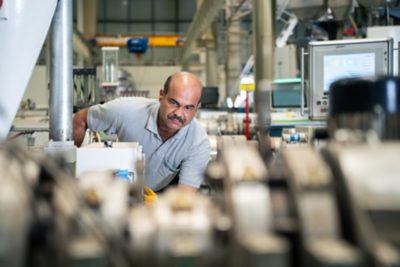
(187, 188)
(80, 126)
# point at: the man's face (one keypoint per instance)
(179, 105)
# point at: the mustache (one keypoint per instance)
(175, 117)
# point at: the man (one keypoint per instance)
(173, 142)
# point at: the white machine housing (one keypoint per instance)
(98, 157)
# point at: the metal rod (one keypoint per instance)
(61, 90)
(302, 81)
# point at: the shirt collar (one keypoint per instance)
(151, 123)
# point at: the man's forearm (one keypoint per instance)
(187, 188)
(80, 126)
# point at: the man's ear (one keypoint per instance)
(161, 96)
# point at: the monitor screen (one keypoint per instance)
(330, 61)
(209, 96)
(347, 66)
(286, 94)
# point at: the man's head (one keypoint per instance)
(179, 100)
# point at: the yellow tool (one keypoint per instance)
(149, 195)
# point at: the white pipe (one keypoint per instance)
(23, 28)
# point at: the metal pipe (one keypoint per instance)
(264, 40)
(233, 59)
(202, 20)
(302, 81)
(61, 73)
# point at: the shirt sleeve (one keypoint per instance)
(194, 165)
(105, 117)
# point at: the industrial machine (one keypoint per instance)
(337, 205)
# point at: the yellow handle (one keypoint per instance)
(149, 195)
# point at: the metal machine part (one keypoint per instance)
(304, 210)
(51, 219)
(296, 135)
(378, 112)
(179, 229)
(368, 196)
(237, 178)
(43, 214)
(14, 205)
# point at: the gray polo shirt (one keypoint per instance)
(134, 119)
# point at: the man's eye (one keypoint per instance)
(173, 102)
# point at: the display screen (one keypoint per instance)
(209, 96)
(287, 95)
(347, 66)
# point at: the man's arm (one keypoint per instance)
(193, 167)
(187, 188)
(80, 126)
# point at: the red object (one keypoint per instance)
(247, 122)
(1, 3)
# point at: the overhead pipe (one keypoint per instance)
(202, 20)
(61, 93)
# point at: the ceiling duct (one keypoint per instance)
(316, 9)
(303, 9)
(340, 8)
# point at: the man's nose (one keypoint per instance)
(179, 112)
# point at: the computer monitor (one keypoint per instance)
(286, 94)
(209, 97)
(333, 60)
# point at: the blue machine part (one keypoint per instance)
(295, 137)
(124, 174)
(138, 45)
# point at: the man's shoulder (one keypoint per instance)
(197, 132)
(132, 103)
(136, 101)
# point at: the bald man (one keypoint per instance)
(173, 141)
